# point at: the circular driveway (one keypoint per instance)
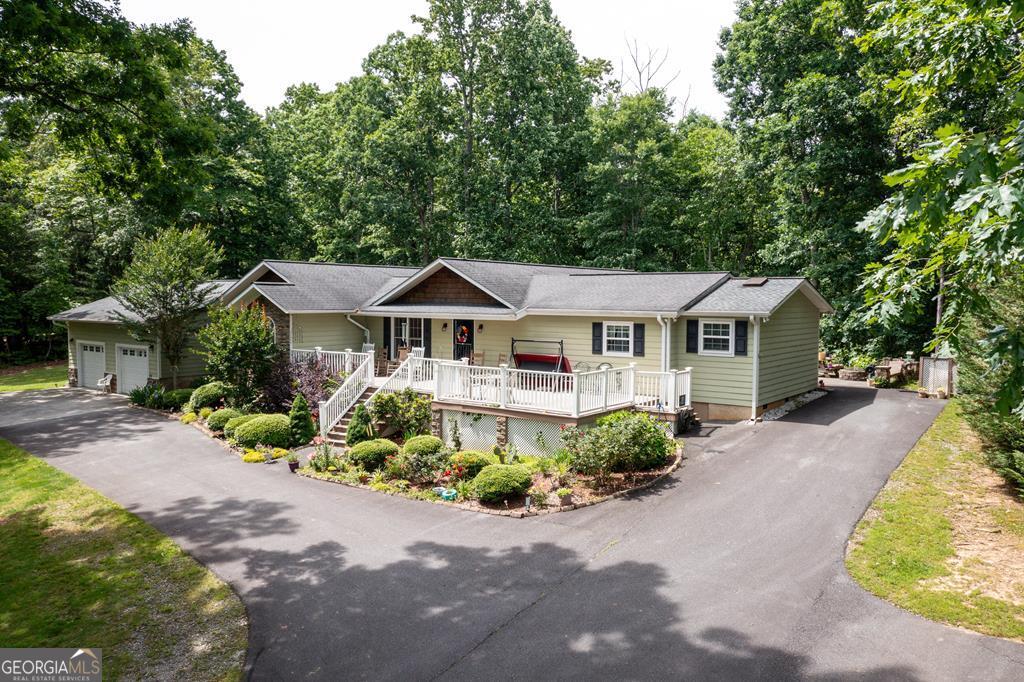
(733, 568)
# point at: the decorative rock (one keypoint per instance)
(853, 374)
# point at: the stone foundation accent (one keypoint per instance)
(437, 423)
(501, 428)
(72, 377)
(281, 323)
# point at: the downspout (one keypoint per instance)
(757, 368)
(663, 360)
(366, 330)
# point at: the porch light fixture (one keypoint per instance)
(480, 328)
(444, 326)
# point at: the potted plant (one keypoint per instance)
(564, 496)
(293, 462)
(922, 392)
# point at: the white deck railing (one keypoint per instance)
(355, 384)
(335, 360)
(576, 394)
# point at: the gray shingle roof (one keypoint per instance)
(511, 281)
(106, 309)
(329, 286)
(654, 292)
(733, 297)
(441, 310)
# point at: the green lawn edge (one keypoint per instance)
(34, 379)
(78, 570)
(906, 539)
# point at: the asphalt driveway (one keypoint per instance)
(732, 569)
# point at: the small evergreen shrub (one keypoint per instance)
(205, 412)
(405, 411)
(218, 419)
(189, 417)
(426, 445)
(272, 430)
(497, 482)
(371, 454)
(253, 457)
(631, 441)
(278, 453)
(208, 395)
(301, 422)
(177, 399)
(472, 461)
(235, 422)
(360, 428)
(150, 395)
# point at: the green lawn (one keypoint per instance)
(901, 549)
(78, 570)
(34, 378)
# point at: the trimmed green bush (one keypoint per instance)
(188, 417)
(422, 445)
(267, 429)
(208, 395)
(235, 422)
(205, 412)
(497, 482)
(371, 454)
(177, 399)
(254, 457)
(472, 461)
(360, 428)
(218, 419)
(301, 421)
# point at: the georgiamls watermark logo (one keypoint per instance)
(51, 665)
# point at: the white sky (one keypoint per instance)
(276, 44)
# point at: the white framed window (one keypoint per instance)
(716, 338)
(406, 332)
(618, 339)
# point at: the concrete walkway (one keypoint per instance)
(733, 569)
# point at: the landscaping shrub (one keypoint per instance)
(207, 395)
(235, 422)
(301, 422)
(472, 461)
(371, 454)
(189, 417)
(205, 412)
(426, 445)
(239, 347)
(632, 441)
(218, 419)
(150, 395)
(278, 453)
(404, 412)
(175, 400)
(360, 428)
(253, 457)
(497, 482)
(267, 429)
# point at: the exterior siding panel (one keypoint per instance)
(330, 331)
(789, 351)
(715, 379)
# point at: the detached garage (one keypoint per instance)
(102, 355)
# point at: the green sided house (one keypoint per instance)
(103, 355)
(511, 351)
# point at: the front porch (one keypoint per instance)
(571, 396)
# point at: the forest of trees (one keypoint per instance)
(486, 134)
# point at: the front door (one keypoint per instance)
(462, 339)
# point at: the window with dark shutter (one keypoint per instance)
(597, 338)
(387, 335)
(638, 339)
(741, 337)
(692, 334)
(427, 325)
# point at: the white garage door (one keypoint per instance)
(132, 367)
(92, 363)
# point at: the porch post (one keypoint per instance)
(673, 395)
(348, 359)
(320, 419)
(503, 391)
(575, 394)
(604, 387)
(631, 390)
(689, 386)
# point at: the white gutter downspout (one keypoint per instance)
(665, 335)
(366, 330)
(757, 367)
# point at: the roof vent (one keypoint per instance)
(755, 281)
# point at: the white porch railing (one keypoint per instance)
(336, 361)
(667, 391)
(415, 372)
(574, 394)
(358, 380)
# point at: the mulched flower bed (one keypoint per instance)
(586, 491)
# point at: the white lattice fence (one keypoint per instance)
(477, 431)
(937, 373)
(534, 437)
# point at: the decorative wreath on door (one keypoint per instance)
(462, 336)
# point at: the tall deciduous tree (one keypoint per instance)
(166, 290)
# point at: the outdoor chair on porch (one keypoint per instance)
(477, 358)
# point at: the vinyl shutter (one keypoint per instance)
(597, 338)
(691, 336)
(741, 337)
(638, 339)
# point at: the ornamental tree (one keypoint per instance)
(239, 348)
